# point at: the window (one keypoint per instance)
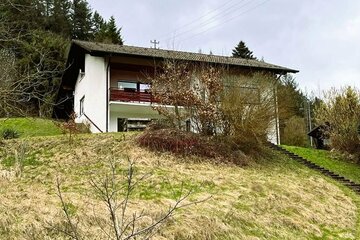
(82, 105)
(144, 87)
(127, 86)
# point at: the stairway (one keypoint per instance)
(352, 185)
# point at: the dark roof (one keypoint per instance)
(112, 49)
(320, 131)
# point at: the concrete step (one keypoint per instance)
(354, 186)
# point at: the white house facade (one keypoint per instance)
(104, 84)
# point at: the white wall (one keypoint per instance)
(93, 87)
(272, 132)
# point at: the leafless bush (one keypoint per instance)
(248, 108)
(214, 148)
(178, 142)
(70, 228)
(341, 110)
(170, 87)
(186, 91)
(295, 132)
(115, 191)
(70, 127)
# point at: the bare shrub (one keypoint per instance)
(295, 132)
(248, 108)
(340, 109)
(217, 148)
(207, 87)
(70, 127)
(178, 142)
(115, 191)
(70, 227)
(170, 86)
(185, 91)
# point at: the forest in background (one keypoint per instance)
(34, 37)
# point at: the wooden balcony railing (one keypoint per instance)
(126, 96)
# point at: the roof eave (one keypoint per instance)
(112, 54)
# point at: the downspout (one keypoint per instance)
(277, 118)
(107, 94)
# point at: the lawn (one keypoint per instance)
(30, 127)
(325, 159)
(271, 198)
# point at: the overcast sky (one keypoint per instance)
(321, 38)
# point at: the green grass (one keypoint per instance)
(30, 127)
(272, 198)
(325, 159)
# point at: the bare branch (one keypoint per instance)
(74, 232)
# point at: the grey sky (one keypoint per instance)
(321, 38)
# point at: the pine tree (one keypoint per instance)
(109, 33)
(242, 51)
(59, 21)
(48, 5)
(97, 23)
(81, 20)
(21, 16)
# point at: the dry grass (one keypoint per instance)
(271, 199)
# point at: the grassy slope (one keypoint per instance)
(272, 199)
(324, 159)
(30, 127)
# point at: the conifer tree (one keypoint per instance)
(242, 51)
(59, 21)
(81, 20)
(97, 22)
(109, 33)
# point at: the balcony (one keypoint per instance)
(122, 95)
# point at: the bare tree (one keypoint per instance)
(18, 90)
(187, 91)
(170, 87)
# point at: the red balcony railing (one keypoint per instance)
(127, 96)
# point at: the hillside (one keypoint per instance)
(337, 164)
(275, 198)
(30, 127)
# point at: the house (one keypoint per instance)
(104, 83)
